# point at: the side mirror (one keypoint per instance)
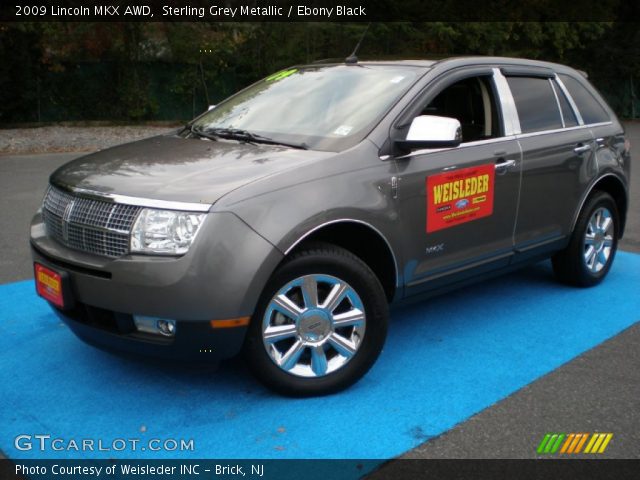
(430, 131)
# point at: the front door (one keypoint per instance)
(458, 206)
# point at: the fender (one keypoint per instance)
(591, 188)
(349, 220)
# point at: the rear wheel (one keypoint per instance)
(320, 325)
(592, 248)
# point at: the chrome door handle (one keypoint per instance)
(505, 165)
(582, 148)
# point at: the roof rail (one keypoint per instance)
(328, 60)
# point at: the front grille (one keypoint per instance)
(88, 225)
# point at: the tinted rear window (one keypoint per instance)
(536, 104)
(588, 106)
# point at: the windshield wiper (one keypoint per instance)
(200, 133)
(239, 134)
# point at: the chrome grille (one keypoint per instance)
(88, 225)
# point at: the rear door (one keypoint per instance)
(557, 159)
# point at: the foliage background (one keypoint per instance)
(171, 71)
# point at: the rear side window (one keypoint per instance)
(536, 104)
(568, 115)
(588, 106)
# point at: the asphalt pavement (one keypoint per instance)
(23, 180)
(596, 391)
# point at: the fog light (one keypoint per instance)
(167, 327)
(155, 325)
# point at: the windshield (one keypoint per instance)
(322, 107)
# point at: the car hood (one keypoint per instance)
(173, 168)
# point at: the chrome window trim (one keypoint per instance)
(573, 105)
(426, 151)
(349, 220)
(559, 130)
(510, 116)
(134, 201)
(487, 141)
(555, 94)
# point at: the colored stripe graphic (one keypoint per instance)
(543, 443)
(567, 442)
(556, 445)
(573, 443)
(550, 443)
(607, 439)
(594, 437)
(598, 442)
(576, 439)
(581, 442)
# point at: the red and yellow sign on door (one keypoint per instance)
(459, 196)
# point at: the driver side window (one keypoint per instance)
(472, 102)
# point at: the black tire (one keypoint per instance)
(321, 259)
(569, 265)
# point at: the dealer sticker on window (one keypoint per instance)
(343, 130)
(459, 196)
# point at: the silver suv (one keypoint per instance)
(284, 221)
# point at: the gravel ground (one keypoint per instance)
(72, 139)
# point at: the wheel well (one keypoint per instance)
(614, 187)
(365, 243)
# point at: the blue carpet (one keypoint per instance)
(445, 360)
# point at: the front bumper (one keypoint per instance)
(221, 277)
(193, 341)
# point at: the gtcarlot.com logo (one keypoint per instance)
(44, 442)
(573, 443)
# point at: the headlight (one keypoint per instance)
(166, 232)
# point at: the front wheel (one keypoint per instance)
(320, 324)
(592, 248)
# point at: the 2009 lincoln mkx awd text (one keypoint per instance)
(285, 220)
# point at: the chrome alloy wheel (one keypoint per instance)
(598, 240)
(313, 325)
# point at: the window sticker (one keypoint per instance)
(280, 75)
(460, 196)
(343, 130)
